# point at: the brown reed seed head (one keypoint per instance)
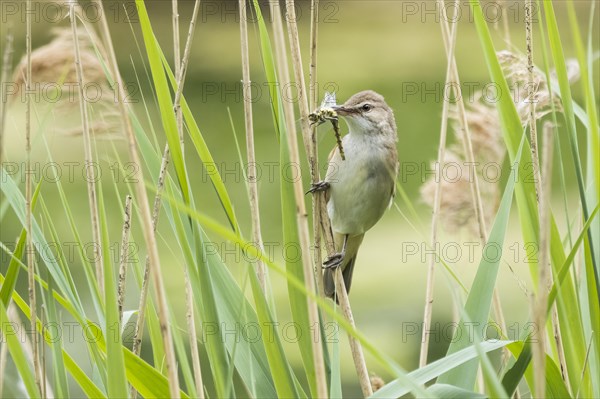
(376, 382)
(53, 73)
(456, 204)
(489, 149)
(55, 61)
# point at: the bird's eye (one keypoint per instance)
(367, 107)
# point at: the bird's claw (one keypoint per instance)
(333, 261)
(320, 186)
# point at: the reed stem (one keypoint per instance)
(437, 199)
(89, 159)
(142, 198)
(6, 70)
(301, 214)
(123, 258)
(29, 210)
(251, 169)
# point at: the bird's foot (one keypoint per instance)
(320, 186)
(334, 261)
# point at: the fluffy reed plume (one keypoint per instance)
(377, 382)
(54, 81)
(515, 70)
(456, 205)
(456, 208)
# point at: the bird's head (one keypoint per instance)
(367, 112)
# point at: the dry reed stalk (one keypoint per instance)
(176, 46)
(356, 349)
(541, 299)
(123, 258)
(436, 202)
(87, 149)
(473, 181)
(252, 172)
(302, 217)
(317, 199)
(141, 319)
(467, 142)
(475, 187)
(177, 63)
(6, 71)
(3, 357)
(180, 71)
(560, 349)
(193, 338)
(29, 210)
(186, 58)
(139, 326)
(505, 21)
(13, 316)
(43, 360)
(531, 108)
(539, 307)
(142, 197)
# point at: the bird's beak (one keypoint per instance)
(343, 111)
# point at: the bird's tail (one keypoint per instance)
(329, 283)
(347, 265)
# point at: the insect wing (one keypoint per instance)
(329, 100)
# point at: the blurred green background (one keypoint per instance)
(393, 47)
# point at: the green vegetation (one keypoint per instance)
(199, 317)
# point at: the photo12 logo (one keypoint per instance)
(228, 11)
(55, 12)
(493, 12)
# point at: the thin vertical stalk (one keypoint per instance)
(177, 62)
(555, 322)
(180, 76)
(3, 357)
(437, 201)
(357, 355)
(539, 349)
(141, 319)
(560, 349)
(541, 298)
(530, 98)
(302, 217)
(355, 347)
(142, 197)
(474, 186)
(186, 58)
(193, 339)
(28, 207)
(139, 326)
(467, 142)
(176, 45)
(252, 179)
(123, 257)
(314, 150)
(6, 70)
(13, 316)
(45, 385)
(180, 70)
(505, 21)
(87, 149)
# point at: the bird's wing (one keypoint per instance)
(395, 177)
(333, 160)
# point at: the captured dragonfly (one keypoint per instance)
(326, 112)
